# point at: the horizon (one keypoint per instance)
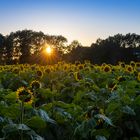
(85, 21)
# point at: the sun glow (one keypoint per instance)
(48, 50)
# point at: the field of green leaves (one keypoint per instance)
(70, 102)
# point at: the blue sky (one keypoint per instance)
(82, 20)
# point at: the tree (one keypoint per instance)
(73, 45)
(2, 41)
(111, 50)
(27, 44)
(59, 45)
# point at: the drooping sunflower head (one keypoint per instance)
(122, 64)
(73, 67)
(77, 76)
(35, 84)
(77, 63)
(87, 61)
(87, 69)
(21, 67)
(15, 70)
(80, 67)
(33, 67)
(107, 68)
(129, 69)
(65, 67)
(39, 73)
(48, 70)
(1, 69)
(104, 64)
(138, 64)
(112, 85)
(121, 78)
(24, 95)
(132, 63)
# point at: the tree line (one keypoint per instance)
(28, 46)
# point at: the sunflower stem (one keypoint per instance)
(34, 103)
(22, 117)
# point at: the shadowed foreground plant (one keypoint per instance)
(24, 96)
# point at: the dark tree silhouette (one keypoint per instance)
(2, 48)
(111, 50)
(27, 46)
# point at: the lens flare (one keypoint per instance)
(48, 50)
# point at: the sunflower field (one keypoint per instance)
(65, 101)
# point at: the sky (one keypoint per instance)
(82, 20)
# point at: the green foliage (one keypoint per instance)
(9, 129)
(36, 123)
(99, 105)
(103, 117)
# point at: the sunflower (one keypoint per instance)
(70, 74)
(48, 70)
(80, 67)
(39, 73)
(138, 64)
(24, 95)
(15, 70)
(107, 68)
(91, 112)
(129, 69)
(21, 67)
(122, 64)
(35, 84)
(33, 67)
(132, 63)
(87, 61)
(121, 79)
(77, 76)
(88, 69)
(112, 86)
(77, 63)
(65, 67)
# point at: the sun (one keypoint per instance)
(48, 50)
